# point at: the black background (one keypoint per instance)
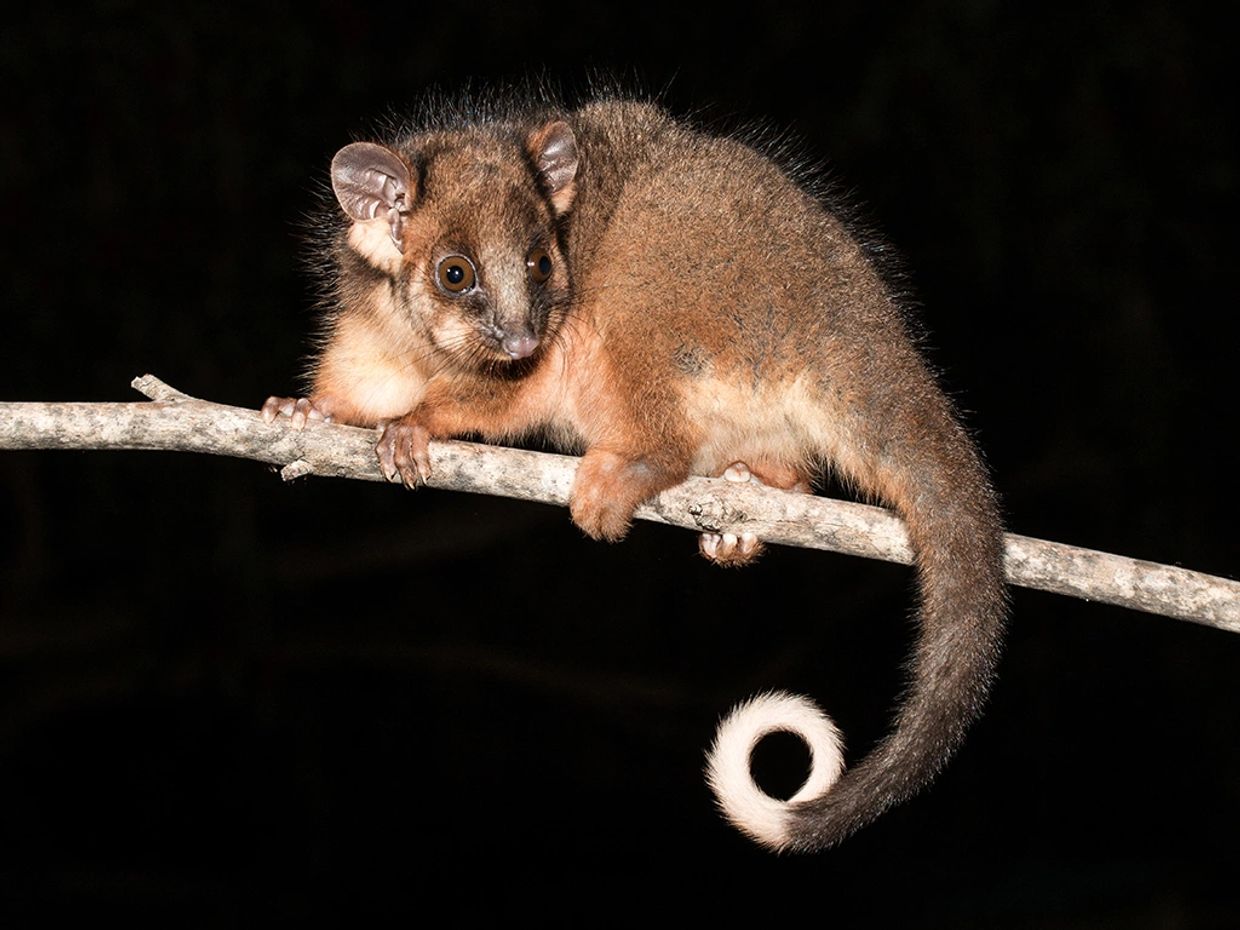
(223, 697)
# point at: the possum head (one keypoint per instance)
(464, 224)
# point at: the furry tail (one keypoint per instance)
(942, 491)
(745, 804)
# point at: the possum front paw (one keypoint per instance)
(609, 487)
(299, 410)
(404, 451)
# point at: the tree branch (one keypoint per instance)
(175, 421)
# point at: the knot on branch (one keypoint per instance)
(296, 469)
(716, 516)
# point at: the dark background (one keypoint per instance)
(222, 697)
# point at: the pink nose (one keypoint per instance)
(520, 346)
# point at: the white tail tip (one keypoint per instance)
(727, 763)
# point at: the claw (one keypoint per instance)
(403, 451)
(299, 410)
(274, 406)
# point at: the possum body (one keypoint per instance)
(669, 303)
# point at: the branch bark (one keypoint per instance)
(175, 421)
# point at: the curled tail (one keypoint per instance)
(942, 491)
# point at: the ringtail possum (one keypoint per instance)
(669, 303)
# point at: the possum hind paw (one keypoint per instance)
(732, 550)
(729, 549)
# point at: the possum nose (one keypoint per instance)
(519, 345)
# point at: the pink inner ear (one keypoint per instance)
(370, 180)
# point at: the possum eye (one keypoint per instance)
(539, 265)
(455, 274)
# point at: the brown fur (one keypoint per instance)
(704, 309)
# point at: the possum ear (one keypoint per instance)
(554, 151)
(371, 182)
